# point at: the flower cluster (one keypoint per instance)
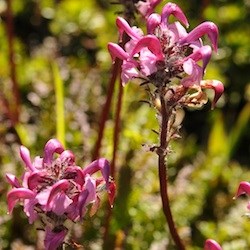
(167, 52)
(55, 189)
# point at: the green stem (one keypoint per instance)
(59, 93)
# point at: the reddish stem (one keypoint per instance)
(117, 129)
(106, 108)
(163, 176)
(15, 90)
(113, 163)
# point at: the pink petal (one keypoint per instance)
(212, 245)
(74, 173)
(43, 196)
(173, 9)
(244, 188)
(153, 21)
(67, 157)
(88, 195)
(147, 7)
(101, 164)
(152, 43)
(203, 53)
(129, 71)
(25, 155)
(111, 193)
(51, 147)
(29, 209)
(123, 25)
(35, 179)
(18, 193)
(208, 28)
(13, 180)
(54, 239)
(217, 86)
(117, 51)
(60, 204)
(60, 186)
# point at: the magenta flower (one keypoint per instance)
(55, 189)
(147, 7)
(244, 188)
(168, 52)
(212, 245)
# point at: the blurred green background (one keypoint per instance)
(65, 41)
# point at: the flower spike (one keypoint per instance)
(54, 190)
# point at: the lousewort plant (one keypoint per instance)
(171, 63)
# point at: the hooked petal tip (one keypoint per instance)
(173, 9)
(217, 86)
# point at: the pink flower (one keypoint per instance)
(167, 52)
(212, 245)
(56, 189)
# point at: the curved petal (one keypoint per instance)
(208, 28)
(35, 179)
(212, 245)
(51, 147)
(14, 182)
(153, 21)
(88, 195)
(101, 164)
(217, 86)
(18, 193)
(147, 7)
(67, 157)
(152, 43)
(60, 186)
(111, 193)
(60, 204)
(173, 9)
(117, 51)
(25, 155)
(204, 53)
(54, 238)
(244, 188)
(29, 210)
(123, 25)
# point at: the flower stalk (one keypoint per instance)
(163, 174)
